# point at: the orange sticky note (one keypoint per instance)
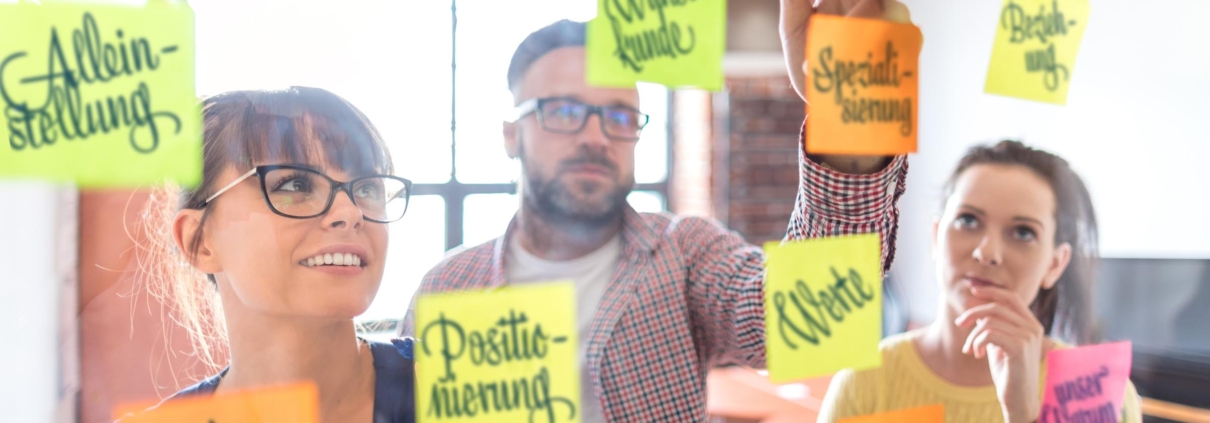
(927, 414)
(287, 404)
(862, 86)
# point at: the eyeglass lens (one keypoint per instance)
(304, 193)
(569, 116)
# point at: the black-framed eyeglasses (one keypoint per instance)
(566, 115)
(300, 192)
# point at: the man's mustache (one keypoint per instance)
(589, 159)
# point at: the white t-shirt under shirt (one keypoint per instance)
(590, 275)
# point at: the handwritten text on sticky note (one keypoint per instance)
(287, 404)
(101, 95)
(672, 42)
(498, 355)
(1035, 49)
(1086, 384)
(927, 414)
(862, 86)
(823, 306)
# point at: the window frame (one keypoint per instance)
(454, 192)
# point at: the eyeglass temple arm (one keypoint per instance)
(232, 184)
(521, 110)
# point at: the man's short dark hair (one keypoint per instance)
(557, 35)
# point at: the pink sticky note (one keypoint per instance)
(1086, 384)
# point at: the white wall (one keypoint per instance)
(1134, 126)
(38, 336)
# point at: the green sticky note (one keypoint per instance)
(823, 306)
(678, 43)
(1034, 54)
(99, 95)
(495, 343)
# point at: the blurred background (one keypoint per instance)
(434, 84)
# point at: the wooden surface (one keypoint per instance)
(740, 394)
(745, 394)
(1175, 412)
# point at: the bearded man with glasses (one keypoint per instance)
(660, 298)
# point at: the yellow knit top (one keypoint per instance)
(904, 381)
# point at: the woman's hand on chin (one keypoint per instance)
(1011, 338)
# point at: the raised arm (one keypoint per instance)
(837, 195)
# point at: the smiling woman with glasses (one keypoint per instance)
(283, 243)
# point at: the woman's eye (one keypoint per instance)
(966, 221)
(369, 191)
(1024, 233)
(294, 185)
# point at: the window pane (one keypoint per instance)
(651, 153)
(417, 244)
(485, 48)
(357, 50)
(646, 201)
(486, 216)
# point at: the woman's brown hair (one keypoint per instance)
(241, 129)
(1065, 310)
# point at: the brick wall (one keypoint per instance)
(757, 121)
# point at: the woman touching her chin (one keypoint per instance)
(1014, 249)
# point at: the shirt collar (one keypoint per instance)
(637, 237)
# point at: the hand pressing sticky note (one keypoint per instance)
(1086, 384)
(1034, 54)
(928, 414)
(498, 355)
(823, 306)
(677, 43)
(99, 95)
(287, 404)
(862, 86)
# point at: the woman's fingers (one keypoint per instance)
(1011, 344)
(1003, 296)
(991, 325)
(995, 311)
(1009, 338)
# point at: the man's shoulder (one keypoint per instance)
(461, 264)
(670, 224)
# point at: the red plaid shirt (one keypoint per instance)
(687, 294)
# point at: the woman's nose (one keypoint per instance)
(988, 253)
(343, 212)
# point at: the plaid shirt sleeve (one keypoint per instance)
(726, 286)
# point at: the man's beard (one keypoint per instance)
(552, 199)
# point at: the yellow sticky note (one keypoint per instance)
(99, 95)
(928, 414)
(498, 355)
(287, 404)
(862, 86)
(823, 306)
(1035, 50)
(677, 43)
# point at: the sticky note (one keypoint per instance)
(99, 95)
(297, 403)
(823, 306)
(498, 355)
(927, 414)
(1086, 384)
(677, 43)
(1034, 54)
(862, 86)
